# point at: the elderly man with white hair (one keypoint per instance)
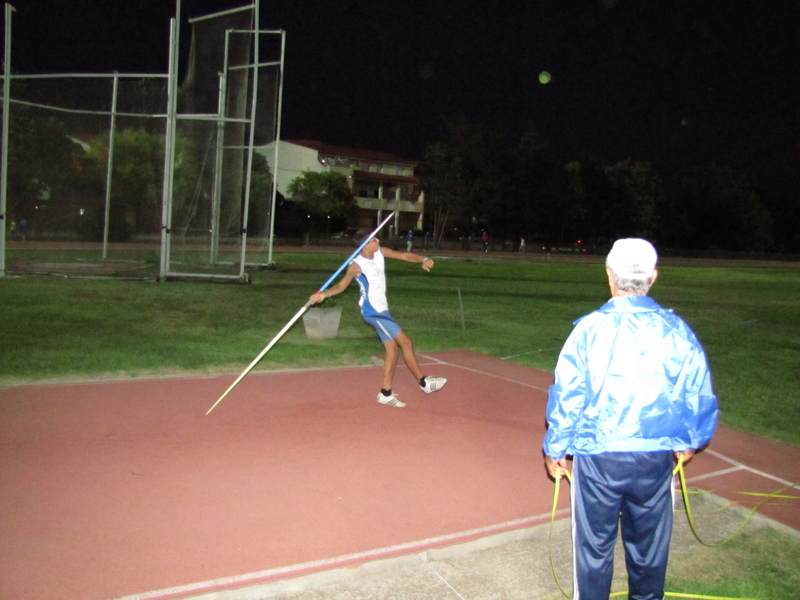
(632, 388)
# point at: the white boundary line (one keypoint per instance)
(714, 474)
(746, 468)
(522, 383)
(272, 575)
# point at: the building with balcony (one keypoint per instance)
(381, 182)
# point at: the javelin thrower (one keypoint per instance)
(368, 269)
(299, 313)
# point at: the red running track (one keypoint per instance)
(126, 489)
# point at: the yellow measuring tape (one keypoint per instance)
(690, 515)
(685, 494)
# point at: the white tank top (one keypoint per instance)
(372, 283)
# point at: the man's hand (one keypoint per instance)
(427, 263)
(555, 468)
(316, 298)
(687, 455)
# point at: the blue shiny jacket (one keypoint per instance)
(632, 377)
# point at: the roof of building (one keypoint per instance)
(384, 177)
(355, 153)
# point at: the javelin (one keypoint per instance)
(301, 311)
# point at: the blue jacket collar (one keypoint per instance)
(630, 304)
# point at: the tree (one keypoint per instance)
(443, 178)
(713, 207)
(42, 166)
(638, 191)
(260, 196)
(464, 177)
(137, 183)
(611, 201)
(322, 195)
(594, 204)
(567, 220)
(535, 197)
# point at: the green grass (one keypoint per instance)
(748, 318)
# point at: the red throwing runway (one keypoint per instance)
(126, 489)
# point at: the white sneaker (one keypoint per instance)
(390, 400)
(433, 384)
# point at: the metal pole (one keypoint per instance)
(299, 313)
(216, 194)
(169, 145)
(111, 135)
(380, 201)
(6, 117)
(277, 145)
(461, 308)
(251, 140)
(219, 14)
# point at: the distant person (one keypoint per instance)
(522, 245)
(485, 241)
(368, 270)
(632, 387)
(23, 229)
(409, 240)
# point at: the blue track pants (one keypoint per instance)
(632, 488)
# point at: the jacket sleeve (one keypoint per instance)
(701, 410)
(567, 397)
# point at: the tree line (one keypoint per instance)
(474, 181)
(57, 183)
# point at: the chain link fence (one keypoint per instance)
(112, 174)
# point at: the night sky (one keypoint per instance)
(673, 82)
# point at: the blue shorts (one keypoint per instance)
(384, 324)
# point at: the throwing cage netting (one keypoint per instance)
(133, 174)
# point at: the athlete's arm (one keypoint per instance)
(352, 272)
(427, 263)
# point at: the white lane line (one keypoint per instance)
(751, 469)
(714, 474)
(487, 374)
(340, 561)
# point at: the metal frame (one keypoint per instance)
(6, 110)
(171, 117)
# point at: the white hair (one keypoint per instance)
(636, 286)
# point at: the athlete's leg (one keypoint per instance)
(392, 336)
(389, 363)
(407, 346)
